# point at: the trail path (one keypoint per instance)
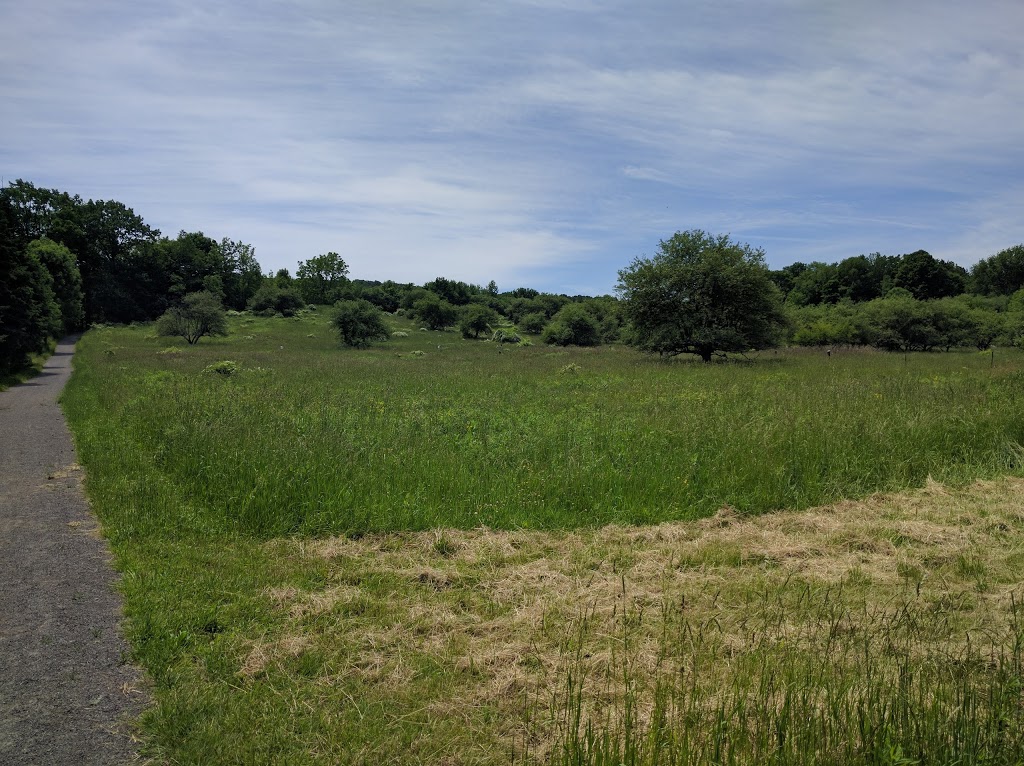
(65, 690)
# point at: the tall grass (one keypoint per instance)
(810, 682)
(406, 648)
(312, 439)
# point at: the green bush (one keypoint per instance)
(573, 325)
(360, 323)
(533, 323)
(270, 300)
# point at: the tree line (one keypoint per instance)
(67, 263)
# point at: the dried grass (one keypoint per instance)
(497, 607)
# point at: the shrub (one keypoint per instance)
(533, 323)
(227, 368)
(573, 325)
(360, 323)
(271, 299)
(436, 313)
(197, 315)
(506, 336)
(476, 318)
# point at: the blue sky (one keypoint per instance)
(534, 142)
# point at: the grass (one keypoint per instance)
(426, 552)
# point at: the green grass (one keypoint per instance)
(311, 439)
(407, 639)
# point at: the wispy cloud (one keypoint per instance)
(533, 142)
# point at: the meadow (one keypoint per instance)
(440, 550)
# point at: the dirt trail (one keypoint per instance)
(66, 694)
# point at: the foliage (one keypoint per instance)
(454, 292)
(323, 279)
(199, 314)
(533, 323)
(360, 323)
(242, 606)
(271, 298)
(225, 367)
(29, 312)
(573, 325)
(1001, 274)
(67, 281)
(701, 294)
(475, 319)
(128, 271)
(927, 278)
(435, 313)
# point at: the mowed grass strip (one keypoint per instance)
(850, 633)
(291, 609)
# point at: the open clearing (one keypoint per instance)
(328, 557)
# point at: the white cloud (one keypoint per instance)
(518, 139)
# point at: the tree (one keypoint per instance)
(1000, 274)
(323, 278)
(29, 313)
(436, 313)
(573, 325)
(360, 323)
(273, 299)
(926, 277)
(701, 294)
(67, 282)
(197, 315)
(476, 318)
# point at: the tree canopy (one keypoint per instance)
(701, 294)
(360, 323)
(197, 315)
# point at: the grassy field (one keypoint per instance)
(425, 552)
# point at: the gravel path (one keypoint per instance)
(66, 694)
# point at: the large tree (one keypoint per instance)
(29, 312)
(701, 294)
(197, 315)
(323, 279)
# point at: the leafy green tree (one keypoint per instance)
(533, 323)
(456, 293)
(475, 319)
(386, 296)
(360, 323)
(67, 281)
(29, 313)
(573, 325)
(240, 273)
(926, 277)
(701, 294)
(1000, 274)
(817, 283)
(899, 322)
(435, 313)
(323, 279)
(273, 299)
(199, 314)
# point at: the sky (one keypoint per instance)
(540, 143)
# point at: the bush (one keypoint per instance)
(436, 313)
(197, 315)
(360, 323)
(271, 299)
(476, 318)
(506, 336)
(533, 323)
(573, 325)
(227, 368)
